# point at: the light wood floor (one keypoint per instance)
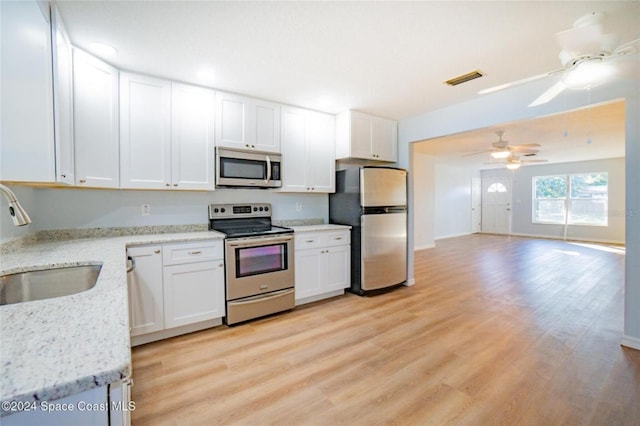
(497, 331)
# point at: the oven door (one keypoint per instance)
(257, 265)
(247, 169)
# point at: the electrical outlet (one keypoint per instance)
(146, 210)
(298, 207)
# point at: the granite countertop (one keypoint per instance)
(321, 227)
(61, 346)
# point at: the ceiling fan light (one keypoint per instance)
(513, 166)
(501, 154)
(587, 74)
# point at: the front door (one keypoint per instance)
(496, 205)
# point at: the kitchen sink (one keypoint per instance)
(47, 283)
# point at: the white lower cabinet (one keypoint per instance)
(323, 264)
(102, 406)
(175, 288)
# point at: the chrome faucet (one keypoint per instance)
(18, 214)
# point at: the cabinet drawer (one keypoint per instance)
(336, 238)
(174, 254)
(308, 240)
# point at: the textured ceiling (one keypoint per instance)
(386, 58)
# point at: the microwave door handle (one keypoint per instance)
(268, 170)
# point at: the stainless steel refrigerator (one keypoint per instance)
(373, 201)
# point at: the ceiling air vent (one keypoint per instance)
(464, 78)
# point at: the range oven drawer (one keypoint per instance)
(261, 305)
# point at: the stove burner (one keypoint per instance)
(244, 220)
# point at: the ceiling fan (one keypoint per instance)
(501, 148)
(514, 162)
(588, 58)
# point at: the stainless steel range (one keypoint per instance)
(259, 261)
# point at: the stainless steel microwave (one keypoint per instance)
(251, 169)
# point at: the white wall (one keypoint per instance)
(522, 200)
(511, 105)
(423, 178)
(452, 201)
(65, 208)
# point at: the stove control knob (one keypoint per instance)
(261, 209)
(222, 210)
(216, 210)
(266, 209)
(255, 209)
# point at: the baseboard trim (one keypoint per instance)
(317, 297)
(630, 342)
(172, 332)
(444, 237)
(551, 237)
(429, 246)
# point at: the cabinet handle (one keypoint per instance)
(337, 238)
(83, 181)
(156, 251)
(167, 184)
(309, 241)
(193, 253)
(246, 145)
(253, 146)
(131, 264)
(63, 175)
(175, 184)
(221, 265)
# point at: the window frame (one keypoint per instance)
(567, 200)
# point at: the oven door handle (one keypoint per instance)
(259, 241)
(261, 298)
(268, 170)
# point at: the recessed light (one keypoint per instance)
(102, 49)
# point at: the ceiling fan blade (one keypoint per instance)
(551, 93)
(517, 83)
(581, 40)
(525, 151)
(525, 145)
(476, 153)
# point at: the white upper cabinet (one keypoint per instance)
(63, 98)
(145, 132)
(308, 151)
(27, 141)
(95, 121)
(247, 123)
(192, 133)
(166, 134)
(366, 137)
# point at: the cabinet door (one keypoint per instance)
(246, 123)
(95, 121)
(231, 121)
(361, 136)
(321, 154)
(294, 150)
(192, 132)
(145, 290)
(145, 132)
(338, 267)
(63, 98)
(265, 126)
(309, 273)
(193, 292)
(385, 139)
(26, 104)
